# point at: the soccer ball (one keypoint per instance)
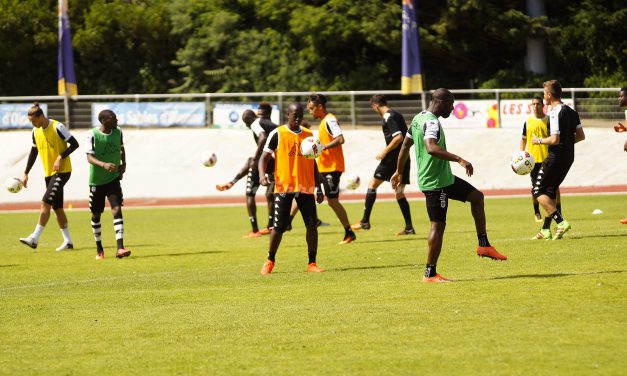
(522, 162)
(208, 159)
(13, 185)
(352, 181)
(311, 148)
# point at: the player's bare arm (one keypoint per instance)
(111, 167)
(435, 150)
(339, 140)
(391, 146)
(403, 154)
(553, 139)
(579, 135)
(263, 164)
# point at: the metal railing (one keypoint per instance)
(597, 105)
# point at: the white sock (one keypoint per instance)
(37, 233)
(118, 226)
(66, 235)
(95, 228)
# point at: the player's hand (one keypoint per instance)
(319, 196)
(264, 181)
(536, 141)
(224, 187)
(57, 164)
(380, 156)
(625, 148)
(395, 180)
(620, 127)
(467, 165)
(25, 178)
(109, 166)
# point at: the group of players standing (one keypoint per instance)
(297, 183)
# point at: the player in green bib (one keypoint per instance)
(106, 156)
(438, 183)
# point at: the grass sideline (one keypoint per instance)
(190, 299)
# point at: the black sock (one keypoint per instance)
(271, 256)
(483, 240)
(253, 222)
(312, 256)
(347, 230)
(291, 219)
(99, 246)
(559, 207)
(557, 216)
(430, 270)
(371, 197)
(120, 243)
(404, 205)
(547, 223)
(536, 208)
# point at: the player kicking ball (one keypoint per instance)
(107, 159)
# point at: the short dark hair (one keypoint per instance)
(379, 99)
(266, 107)
(248, 117)
(102, 114)
(317, 99)
(35, 110)
(553, 87)
(538, 98)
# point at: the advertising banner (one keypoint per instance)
(514, 112)
(15, 115)
(149, 114)
(472, 114)
(229, 115)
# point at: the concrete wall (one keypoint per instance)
(166, 162)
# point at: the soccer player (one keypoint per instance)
(565, 130)
(296, 178)
(261, 126)
(50, 141)
(107, 159)
(438, 183)
(331, 161)
(394, 129)
(537, 125)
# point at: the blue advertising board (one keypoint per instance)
(148, 114)
(15, 115)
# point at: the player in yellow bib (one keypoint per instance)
(50, 142)
(536, 125)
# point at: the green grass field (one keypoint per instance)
(190, 299)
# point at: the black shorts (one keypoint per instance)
(283, 205)
(551, 174)
(534, 175)
(331, 183)
(387, 168)
(54, 189)
(437, 200)
(252, 182)
(97, 194)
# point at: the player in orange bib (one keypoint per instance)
(331, 161)
(296, 178)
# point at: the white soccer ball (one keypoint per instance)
(352, 181)
(522, 162)
(13, 185)
(311, 148)
(208, 159)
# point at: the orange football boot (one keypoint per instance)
(437, 278)
(490, 252)
(267, 267)
(313, 268)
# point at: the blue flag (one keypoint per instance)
(411, 77)
(67, 78)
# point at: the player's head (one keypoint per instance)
(377, 101)
(317, 105)
(622, 98)
(552, 91)
(537, 105)
(36, 116)
(294, 115)
(249, 117)
(108, 119)
(442, 102)
(264, 110)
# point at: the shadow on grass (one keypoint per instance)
(573, 236)
(547, 275)
(8, 265)
(400, 238)
(178, 254)
(375, 267)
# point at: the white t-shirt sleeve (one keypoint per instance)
(256, 127)
(63, 132)
(554, 123)
(333, 126)
(432, 129)
(90, 143)
(272, 142)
